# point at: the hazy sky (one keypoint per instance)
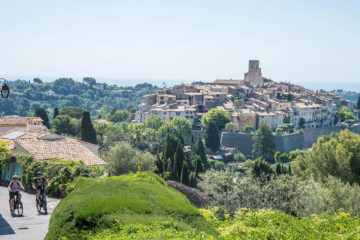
(298, 41)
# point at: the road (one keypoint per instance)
(32, 226)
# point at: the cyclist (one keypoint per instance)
(13, 188)
(39, 182)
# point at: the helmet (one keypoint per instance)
(38, 174)
(15, 177)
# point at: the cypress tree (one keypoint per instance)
(185, 174)
(193, 180)
(87, 130)
(41, 112)
(358, 103)
(159, 165)
(199, 166)
(200, 150)
(212, 139)
(56, 113)
(179, 161)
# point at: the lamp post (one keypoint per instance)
(5, 90)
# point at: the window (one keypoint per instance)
(177, 113)
(161, 98)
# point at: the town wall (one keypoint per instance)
(283, 143)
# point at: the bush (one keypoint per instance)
(59, 173)
(123, 158)
(98, 205)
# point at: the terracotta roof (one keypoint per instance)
(46, 146)
(65, 148)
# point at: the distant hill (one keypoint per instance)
(26, 96)
(348, 95)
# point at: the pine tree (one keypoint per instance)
(185, 174)
(41, 112)
(200, 150)
(87, 130)
(56, 113)
(199, 168)
(179, 161)
(212, 139)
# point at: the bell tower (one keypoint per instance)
(254, 75)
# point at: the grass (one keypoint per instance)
(97, 204)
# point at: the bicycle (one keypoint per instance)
(18, 206)
(41, 203)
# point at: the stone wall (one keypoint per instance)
(283, 143)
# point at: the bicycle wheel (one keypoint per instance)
(20, 208)
(38, 206)
(44, 205)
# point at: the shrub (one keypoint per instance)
(97, 205)
(123, 158)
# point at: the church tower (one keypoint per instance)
(254, 76)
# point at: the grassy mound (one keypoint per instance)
(143, 198)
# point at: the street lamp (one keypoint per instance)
(5, 91)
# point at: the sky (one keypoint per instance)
(174, 41)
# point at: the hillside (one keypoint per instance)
(97, 204)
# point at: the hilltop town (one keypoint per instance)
(250, 101)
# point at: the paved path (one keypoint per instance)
(32, 226)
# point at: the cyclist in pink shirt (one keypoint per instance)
(13, 188)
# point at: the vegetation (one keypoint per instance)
(217, 115)
(73, 112)
(96, 205)
(87, 94)
(40, 112)
(60, 173)
(345, 115)
(123, 158)
(335, 155)
(264, 145)
(269, 224)
(212, 138)
(87, 130)
(230, 127)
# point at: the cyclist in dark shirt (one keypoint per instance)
(39, 184)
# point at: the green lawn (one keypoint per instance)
(143, 198)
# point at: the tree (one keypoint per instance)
(182, 125)
(261, 168)
(56, 113)
(212, 139)
(301, 123)
(87, 130)
(217, 115)
(90, 81)
(41, 112)
(185, 174)
(74, 112)
(200, 150)
(193, 180)
(118, 116)
(153, 121)
(230, 127)
(264, 145)
(123, 158)
(37, 80)
(358, 103)
(63, 124)
(179, 161)
(199, 168)
(345, 114)
(336, 155)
